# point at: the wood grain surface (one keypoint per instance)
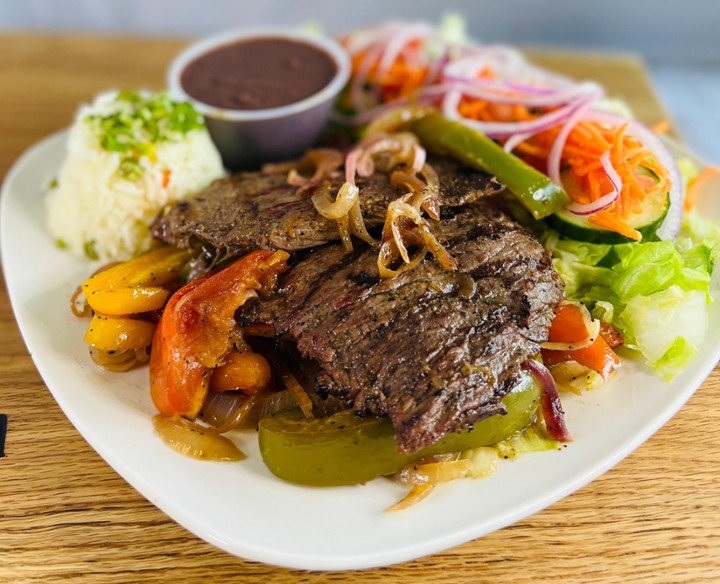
(67, 516)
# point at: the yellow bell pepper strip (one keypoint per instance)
(137, 285)
(197, 330)
(345, 449)
(540, 195)
(108, 333)
(123, 301)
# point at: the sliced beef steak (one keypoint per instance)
(433, 350)
(258, 211)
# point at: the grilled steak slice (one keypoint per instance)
(257, 211)
(433, 350)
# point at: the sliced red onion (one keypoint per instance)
(358, 84)
(397, 42)
(506, 59)
(503, 94)
(351, 164)
(508, 129)
(507, 63)
(432, 92)
(556, 150)
(362, 39)
(435, 71)
(606, 200)
(504, 86)
(550, 405)
(512, 142)
(673, 220)
(530, 89)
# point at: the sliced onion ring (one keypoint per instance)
(452, 100)
(195, 441)
(346, 197)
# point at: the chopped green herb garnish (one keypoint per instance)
(89, 248)
(53, 184)
(60, 244)
(140, 123)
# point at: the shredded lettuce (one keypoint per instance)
(657, 293)
(453, 28)
(666, 327)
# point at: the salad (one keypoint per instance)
(600, 191)
(621, 229)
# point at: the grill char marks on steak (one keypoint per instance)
(262, 211)
(435, 351)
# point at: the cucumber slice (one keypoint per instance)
(647, 221)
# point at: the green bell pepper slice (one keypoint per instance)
(344, 449)
(540, 195)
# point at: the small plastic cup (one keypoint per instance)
(248, 138)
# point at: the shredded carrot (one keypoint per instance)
(400, 80)
(585, 143)
(593, 129)
(531, 150)
(696, 185)
(610, 221)
(662, 127)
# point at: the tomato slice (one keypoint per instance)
(568, 327)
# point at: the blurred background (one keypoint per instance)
(679, 40)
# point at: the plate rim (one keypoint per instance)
(286, 559)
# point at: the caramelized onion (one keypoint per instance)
(193, 440)
(573, 377)
(424, 474)
(142, 354)
(346, 198)
(116, 361)
(242, 416)
(323, 161)
(402, 148)
(435, 472)
(416, 494)
(320, 162)
(221, 409)
(297, 391)
(404, 227)
(345, 210)
(431, 204)
(79, 305)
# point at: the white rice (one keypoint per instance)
(95, 211)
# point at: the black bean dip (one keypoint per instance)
(260, 73)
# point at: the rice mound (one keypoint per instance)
(94, 211)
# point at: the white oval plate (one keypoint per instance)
(241, 507)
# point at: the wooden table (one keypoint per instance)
(65, 514)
